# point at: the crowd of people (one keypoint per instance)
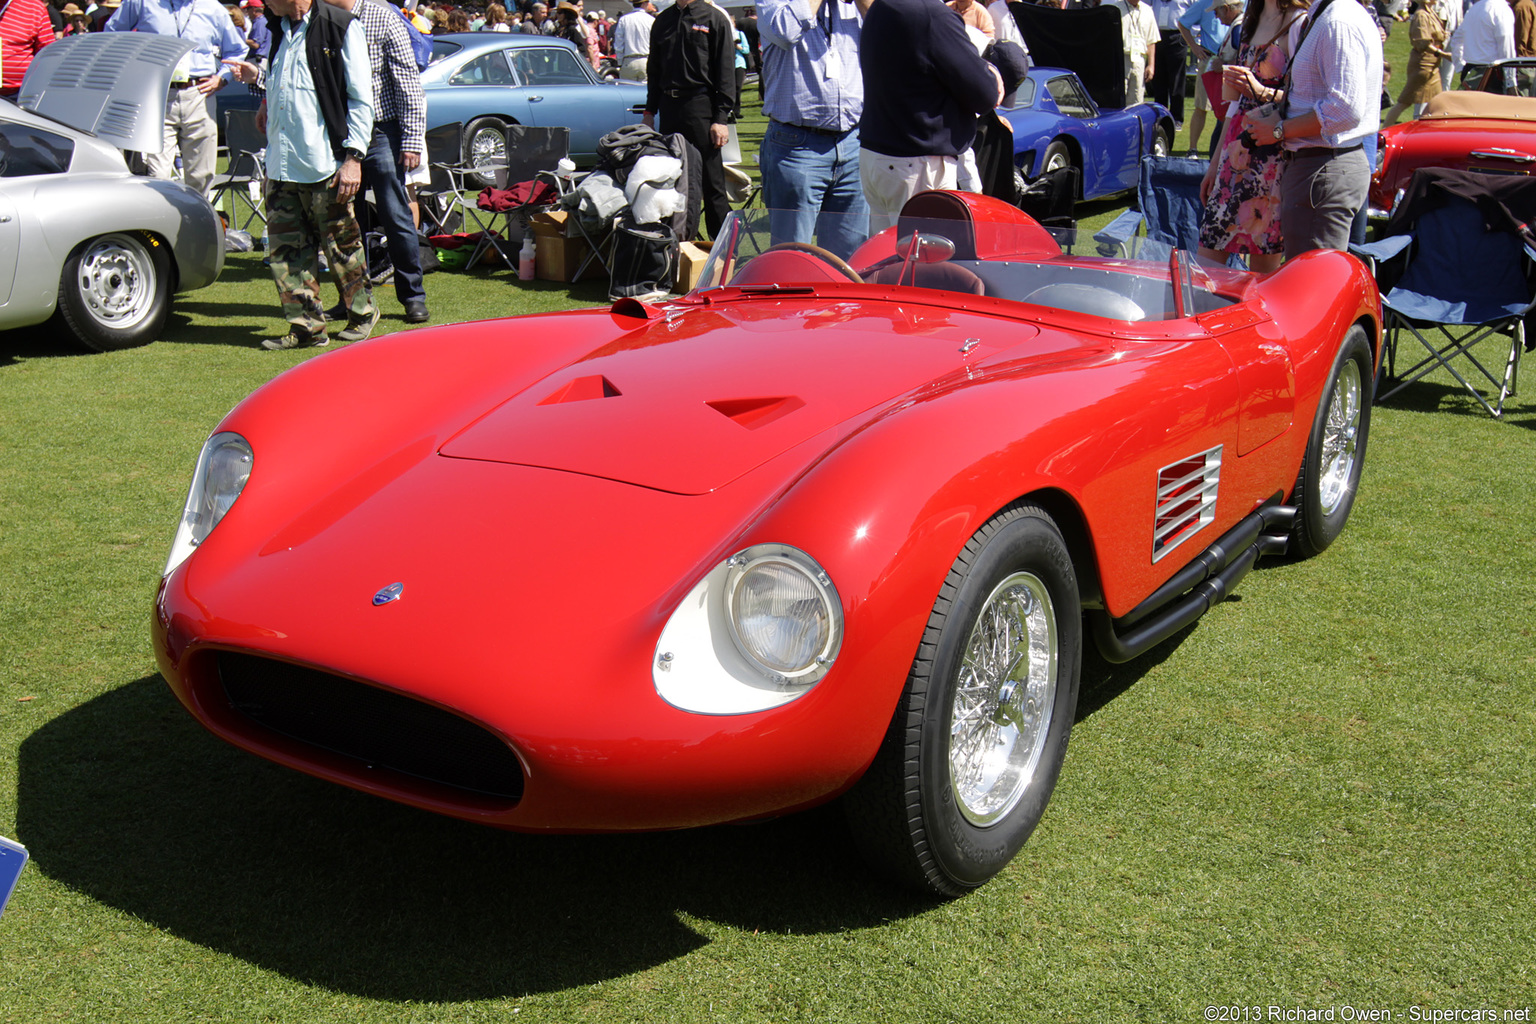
(868, 102)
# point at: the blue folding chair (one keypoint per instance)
(1168, 195)
(1453, 278)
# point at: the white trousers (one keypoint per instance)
(889, 181)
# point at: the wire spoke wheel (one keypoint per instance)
(977, 740)
(1001, 711)
(1330, 472)
(1341, 432)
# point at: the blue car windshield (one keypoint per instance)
(759, 251)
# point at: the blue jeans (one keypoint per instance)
(382, 172)
(806, 174)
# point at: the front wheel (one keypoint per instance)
(1162, 144)
(977, 741)
(1330, 472)
(1056, 158)
(115, 291)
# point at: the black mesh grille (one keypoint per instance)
(376, 727)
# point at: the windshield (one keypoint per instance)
(949, 248)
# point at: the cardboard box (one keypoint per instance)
(690, 263)
(557, 255)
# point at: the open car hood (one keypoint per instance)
(109, 84)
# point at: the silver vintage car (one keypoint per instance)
(81, 238)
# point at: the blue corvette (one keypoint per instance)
(1056, 124)
(487, 80)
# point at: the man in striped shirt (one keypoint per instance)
(24, 30)
(399, 140)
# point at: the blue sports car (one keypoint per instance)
(1056, 124)
(487, 80)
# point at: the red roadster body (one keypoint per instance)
(820, 528)
(1473, 131)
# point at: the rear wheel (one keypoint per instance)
(115, 291)
(1162, 144)
(1330, 472)
(976, 745)
(485, 145)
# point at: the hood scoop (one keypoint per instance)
(583, 389)
(689, 405)
(756, 412)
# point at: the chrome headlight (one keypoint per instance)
(783, 612)
(759, 630)
(223, 467)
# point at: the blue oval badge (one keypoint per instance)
(388, 594)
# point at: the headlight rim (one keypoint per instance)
(743, 562)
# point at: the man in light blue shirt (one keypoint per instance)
(813, 97)
(1205, 25)
(318, 117)
(189, 124)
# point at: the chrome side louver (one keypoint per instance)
(1186, 500)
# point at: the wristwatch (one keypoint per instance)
(355, 154)
(1279, 131)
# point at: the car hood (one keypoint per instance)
(111, 85)
(690, 403)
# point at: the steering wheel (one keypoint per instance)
(830, 259)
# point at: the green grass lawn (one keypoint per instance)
(1321, 796)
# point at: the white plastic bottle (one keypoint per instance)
(525, 259)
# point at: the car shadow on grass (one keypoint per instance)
(43, 341)
(127, 800)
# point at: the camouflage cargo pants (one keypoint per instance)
(301, 219)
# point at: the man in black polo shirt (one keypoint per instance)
(924, 86)
(691, 74)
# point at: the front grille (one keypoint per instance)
(375, 727)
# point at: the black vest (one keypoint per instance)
(322, 50)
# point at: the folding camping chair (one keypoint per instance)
(1168, 195)
(243, 170)
(1456, 271)
(532, 157)
(447, 201)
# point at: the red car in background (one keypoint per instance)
(819, 529)
(1475, 131)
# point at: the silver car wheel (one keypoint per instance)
(1001, 709)
(1340, 435)
(117, 281)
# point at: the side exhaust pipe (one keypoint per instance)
(1194, 589)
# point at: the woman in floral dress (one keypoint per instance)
(1241, 188)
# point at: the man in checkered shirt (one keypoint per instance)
(399, 142)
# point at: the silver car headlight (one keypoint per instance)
(761, 629)
(223, 467)
(783, 612)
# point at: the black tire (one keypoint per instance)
(1056, 157)
(1330, 472)
(485, 143)
(916, 814)
(1162, 142)
(115, 291)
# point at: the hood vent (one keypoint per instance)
(756, 412)
(582, 389)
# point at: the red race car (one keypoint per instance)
(822, 528)
(1475, 131)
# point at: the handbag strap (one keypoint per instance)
(1312, 20)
